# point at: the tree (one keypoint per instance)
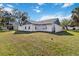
(23, 18)
(6, 17)
(75, 16)
(65, 23)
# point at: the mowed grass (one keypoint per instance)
(39, 44)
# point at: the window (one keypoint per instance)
(45, 27)
(35, 28)
(29, 27)
(25, 27)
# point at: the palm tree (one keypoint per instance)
(75, 16)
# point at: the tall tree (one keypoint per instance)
(23, 18)
(5, 17)
(75, 16)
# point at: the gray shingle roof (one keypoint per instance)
(47, 21)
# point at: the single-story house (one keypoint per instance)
(73, 27)
(49, 25)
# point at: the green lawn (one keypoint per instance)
(36, 44)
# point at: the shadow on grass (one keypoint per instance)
(64, 33)
(59, 33)
(2, 31)
(28, 32)
(74, 30)
(23, 32)
(6, 31)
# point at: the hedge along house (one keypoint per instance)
(50, 25)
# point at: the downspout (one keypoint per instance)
(54, 28)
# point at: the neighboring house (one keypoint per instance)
(50, 25)
(73, 27)
(11, 25)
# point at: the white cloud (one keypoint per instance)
(37, 10)
(57, 3)
(9, 5)
(40, 4)
(1, 5)
(8, 9)
(61, 17)
(37, 7)
(67, 4)
(65, 17)
(47, 17)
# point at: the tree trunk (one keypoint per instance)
(66, 27)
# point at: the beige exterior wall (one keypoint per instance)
(71, 28)
(58, 28)
(47, 28)
(22, 28)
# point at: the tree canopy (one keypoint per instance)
(6, 16)
(75, 16)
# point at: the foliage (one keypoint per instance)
(75, 16)
(65, 23)
(6, 17)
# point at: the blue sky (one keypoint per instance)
(40, 11)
